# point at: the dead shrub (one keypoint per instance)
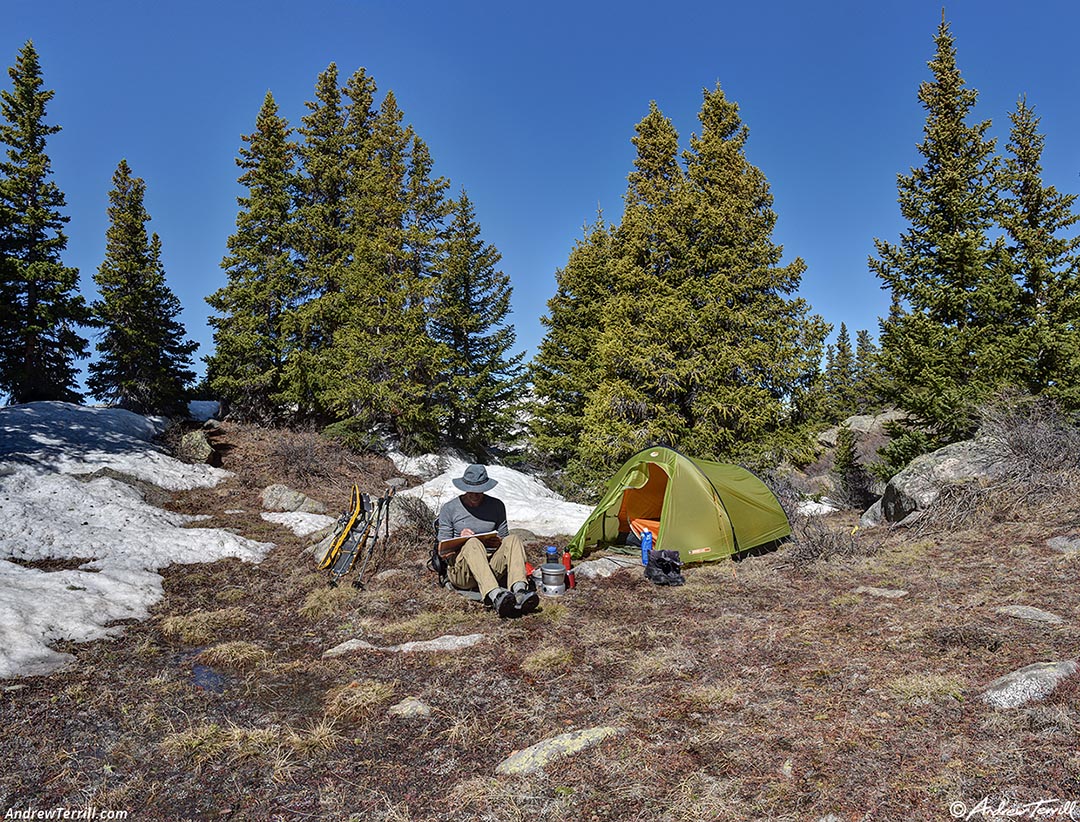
(1039, 462)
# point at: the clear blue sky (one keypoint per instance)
(530, 107)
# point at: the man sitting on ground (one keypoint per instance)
(474, 512)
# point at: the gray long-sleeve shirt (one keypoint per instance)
(489, 515)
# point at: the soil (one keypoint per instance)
(763, 689)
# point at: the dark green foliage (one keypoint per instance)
(468, 318)
(253, 333)
(144, 361)
(855, 485)
(691, 335)
(950, 336)
(840, 378)
(1046, 265)
(383, 361)
(564, 370)
(39, 304)
(868, 390)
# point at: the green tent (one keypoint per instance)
(704, 510)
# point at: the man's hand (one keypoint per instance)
(468, 532)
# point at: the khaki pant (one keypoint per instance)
(473, 568)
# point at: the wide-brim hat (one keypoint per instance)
(475, 480)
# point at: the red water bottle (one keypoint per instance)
(566, 564)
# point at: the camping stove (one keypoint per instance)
(550, 579)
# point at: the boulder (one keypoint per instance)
(283, 498)
(918, 486)
(196, 448)
(1035, 682)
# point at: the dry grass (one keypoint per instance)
(357, 700)
(201, 627)
(238, 656)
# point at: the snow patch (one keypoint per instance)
(50, 514)
(299, 522)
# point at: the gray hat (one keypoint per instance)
(475, 480)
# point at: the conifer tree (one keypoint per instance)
(144, 362)
(701, 346)
(252, 329)
(840, 378)
(640, 352)
(469, 318)
(564, 370)
(758, 348)
(322, 228)
(1046, 264)
(949, 337)
(867, 387)
(40, 307)
(382, 356)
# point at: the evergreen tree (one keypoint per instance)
(252, 329)
(840, 378)
(641, 350)
(565, 368)
(867, 387)
(757, 348)
(468, 317)
(39, 304)
(949, 337)
(382, 356)
(701, 347)
(144, 363)
(321, 239)
(1046, 265)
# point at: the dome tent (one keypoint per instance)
(704, 510)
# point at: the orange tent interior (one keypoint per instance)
(641, 507)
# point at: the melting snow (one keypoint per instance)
(48, 513)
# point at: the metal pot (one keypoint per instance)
(551, 578)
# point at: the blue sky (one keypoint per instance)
(531, 107)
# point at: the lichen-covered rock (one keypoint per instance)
(1029, 613)
(284, 498)
(1028, 684)
(536, 757)
(196, 448)
(410, 708)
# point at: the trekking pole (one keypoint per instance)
(382, 510)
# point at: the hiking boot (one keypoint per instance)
(527, 601)
(502, 602)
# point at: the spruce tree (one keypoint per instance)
(40, 307)
(322, 227)
(757, 347)
(382, 358)
(641, 352)
(144, 362)
(701, 345)
(565, 368)
(1046, 264)
(949, 338)
(840, 378)
(867, 382)
(252, 329)
(469, 315)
